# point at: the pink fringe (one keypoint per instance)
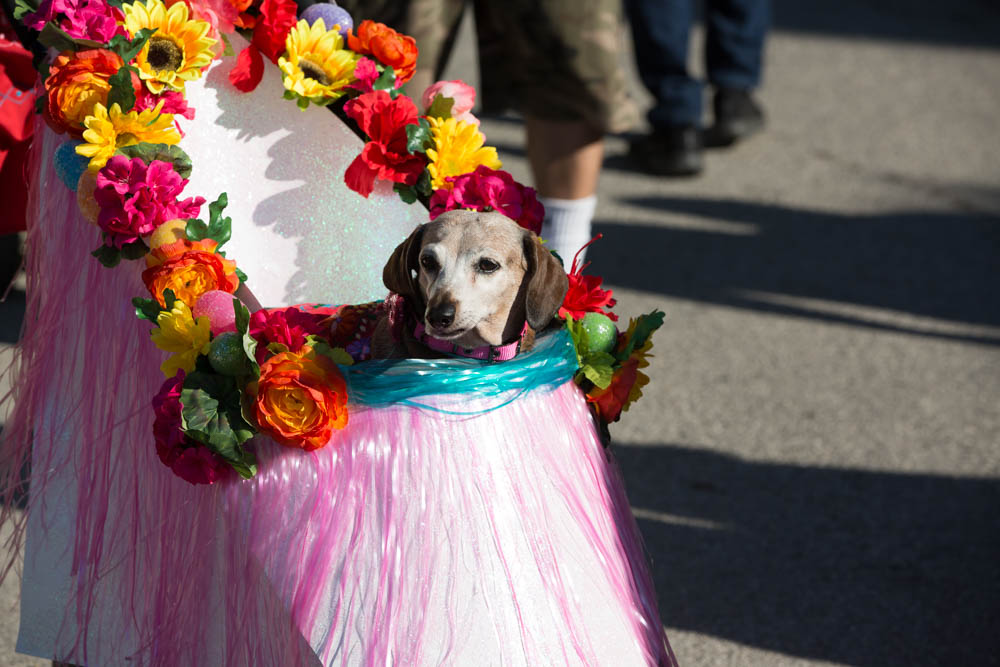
(414, 536)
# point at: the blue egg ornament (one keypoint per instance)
(69, 166)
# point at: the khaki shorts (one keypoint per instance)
(551, 59)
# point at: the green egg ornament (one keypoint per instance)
(601, 332)
(227, 356)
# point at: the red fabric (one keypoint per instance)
(17, 103)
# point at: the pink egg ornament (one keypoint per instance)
(217, 306)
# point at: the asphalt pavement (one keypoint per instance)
(814, 464)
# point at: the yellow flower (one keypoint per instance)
(109, 130)
(178, 332)
(179, 49)
(641, 356)
(458, 149)
(316, 66)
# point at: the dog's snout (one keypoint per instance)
(441, 315)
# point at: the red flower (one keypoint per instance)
(384, 120)
(188, 459)
(585, 294)
(486, 189)
(288, 326)
(609, 401)
(277, 17)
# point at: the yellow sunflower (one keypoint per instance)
(179, 49)
(108, 130)
(458, 149)
(316, 67)
(183, 336)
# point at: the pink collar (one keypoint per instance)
(486, 352)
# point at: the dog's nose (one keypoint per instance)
(441, 315)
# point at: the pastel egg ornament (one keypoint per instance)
(601, 332)
(331, 14)
(226, 355)
(217, 306)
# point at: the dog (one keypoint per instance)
(472, 284)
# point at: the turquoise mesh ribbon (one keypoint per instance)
(549, 364)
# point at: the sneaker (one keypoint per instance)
(669, 151)
(737, 116)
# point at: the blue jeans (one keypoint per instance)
(733, 52)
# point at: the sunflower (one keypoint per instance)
(108, 130)
(458, 149)
(316, 67)
(179, 49)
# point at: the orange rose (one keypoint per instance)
(387, 46)
(190, 275)
(301, 398)
(77, 82)
(167, 251)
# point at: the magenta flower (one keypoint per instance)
(188, 459)
(490, 189)
(135, 198)
(366, 74)
(288, 326)
(173, 102)
(83, 19)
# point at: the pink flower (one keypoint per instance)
(83, 19)
(486, 189)
(462, 94)
(288, 326)
(220, 14)
(135, 198)
(188, 459)
(173, 101)
(366, 74)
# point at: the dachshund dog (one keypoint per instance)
(469, 281)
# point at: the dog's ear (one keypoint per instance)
(399, 272)
(547, 283)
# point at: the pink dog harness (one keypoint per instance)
(486, 352)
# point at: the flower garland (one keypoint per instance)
(116, 86)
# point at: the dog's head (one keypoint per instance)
(475, 278)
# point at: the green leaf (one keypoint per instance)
(645, 325)
(599, 369)
(337, 355)
(418, 137)
(440, 107)
(220, 229)
(54, 37)
(116, 3)
(23, 8)
(41, 102)
(249, 342)
(386, 80)
(135, 250)
(405, 192)
(130, 48)
(212, 414)
(146, 309)
(227, 51)
(175, 155)
(121, 92)
(196, 230)
(423, 186)
(239, 274)
(169, 299)
(107, 255)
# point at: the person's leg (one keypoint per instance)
(565, 159)
(734, 49)
(660, 33)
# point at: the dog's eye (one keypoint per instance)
(429, 263)
(487, 265)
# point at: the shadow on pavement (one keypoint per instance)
(854, 567)
(775, 258)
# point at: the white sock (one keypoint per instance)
(566, 227)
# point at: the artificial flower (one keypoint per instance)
(300, 399)
(188, 459)
(184, 337)
(135, 198)
(190, 275)
(277, 18)
(95, 20)
(179, 49)
(365, 74)
(288, 327)
(161, 253)
(221, 15)
(316, 67)
(485, 189)
(110, 129)
(173, 101)
(385, 156)
(387, 46)
(77, 82)
(458, 149)
(585, 294)
(627, 381)
(462, 95)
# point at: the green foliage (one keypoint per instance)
(644, 328)
(337, 355)
(418, 136)
(175, 155)
(387, 82)
(219, 228)
(423, 186)
(249, 343)
(597, 367)
(121, 92)
(130, 48)
(169, 299)
(405, 192)
(22, 8)
(134, 250)
(54, 37)
(440, 107)
(108, 256)
(146, 309)
(212, 414)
